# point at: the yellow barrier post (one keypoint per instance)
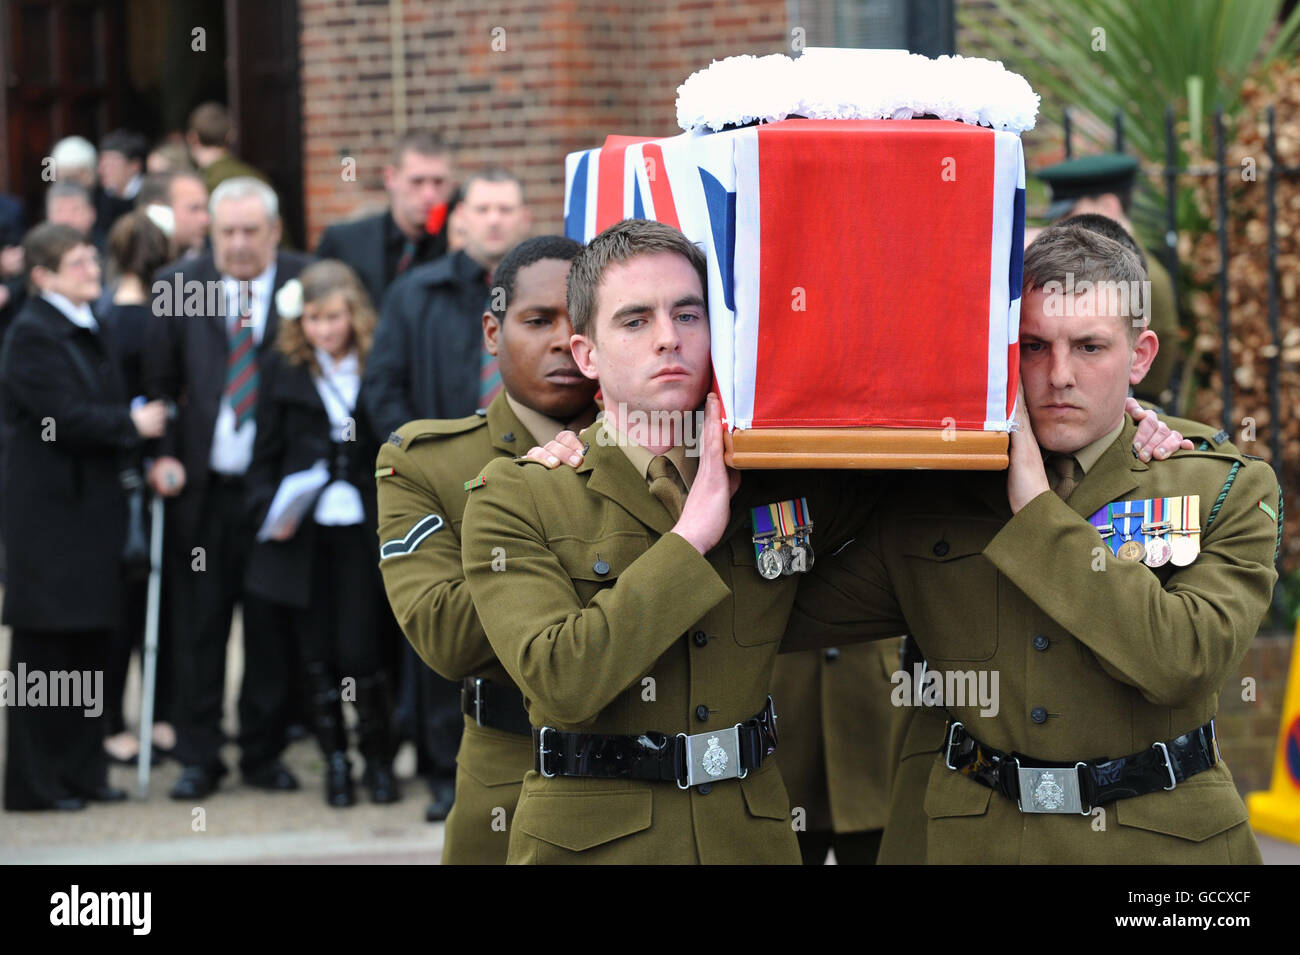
(1277, 812)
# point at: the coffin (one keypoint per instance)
(864, 280)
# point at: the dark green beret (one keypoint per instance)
(1093, 175)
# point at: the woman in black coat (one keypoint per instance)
(325, 566)
(137, 249)
(68, 436)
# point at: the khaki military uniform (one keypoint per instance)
(421, 473)
(1093, 663)
(611, 624)
(836, 719)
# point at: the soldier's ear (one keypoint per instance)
(1144, 353)
(584, 354)
(491, 333)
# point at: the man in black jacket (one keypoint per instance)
(428, 361)
(383, 246)
(217, 317)
(68, 434)
(428, 352)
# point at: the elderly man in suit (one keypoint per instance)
(383, 246)
(217, 317)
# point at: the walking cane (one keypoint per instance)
(149, 656)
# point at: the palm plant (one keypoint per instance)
(1139, 58)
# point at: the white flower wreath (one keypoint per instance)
(856, 84)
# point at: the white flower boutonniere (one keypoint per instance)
(288, 301)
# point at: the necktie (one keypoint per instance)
(241, 370)
(489, 378)
(407, 257)
(666, 485)
(1061, 471)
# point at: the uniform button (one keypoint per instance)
(1041, 642)
(508, 436)
(600, 566)
(481, 412)
(1038, 714)
(702, 713)
(701, 638)
(704, 788)
(832, 653)
(940, 549)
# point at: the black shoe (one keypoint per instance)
(274, 777)
(68, 804)
(339, 790)
(197, 782)
(382, 784)
(444, 795)
(105, 793)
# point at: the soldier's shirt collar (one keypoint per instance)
(686, 464)
(1090, 454)
(544, 428)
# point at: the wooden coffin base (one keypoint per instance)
(867, 448)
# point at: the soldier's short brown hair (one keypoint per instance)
(1063, 256)
(619, 243)
(210, 122)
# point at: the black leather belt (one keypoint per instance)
(1041, 786)
(494, 705)
(658, 757)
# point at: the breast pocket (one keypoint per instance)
(594, 565)
(954, 589)
(762, 606)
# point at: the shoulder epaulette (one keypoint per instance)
(434, 428)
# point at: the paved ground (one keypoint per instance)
(236, 824)
(242, 825)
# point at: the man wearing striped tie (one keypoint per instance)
(428, 361)
(216, 317)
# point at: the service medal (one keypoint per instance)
(1130, 551)
(1185, 541)
(1158, 550)
(782, 538)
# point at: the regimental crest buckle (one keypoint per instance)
(714, 759)
(1048, 794)
(711, 756)
(1050, 789)
(783, 538)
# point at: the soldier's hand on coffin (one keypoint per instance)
(1026, 475)
(1154, 437)
(708, 504)
(567, 448)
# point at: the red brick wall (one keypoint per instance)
(571, 73)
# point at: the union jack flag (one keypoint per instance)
(861, 272)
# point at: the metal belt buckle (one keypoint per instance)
(1050, 789)
(712, 756)
(543, 752)
(1169, 764)
(478, 700)
(953, 727)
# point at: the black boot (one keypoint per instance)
(375, 710)
(327, 718)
